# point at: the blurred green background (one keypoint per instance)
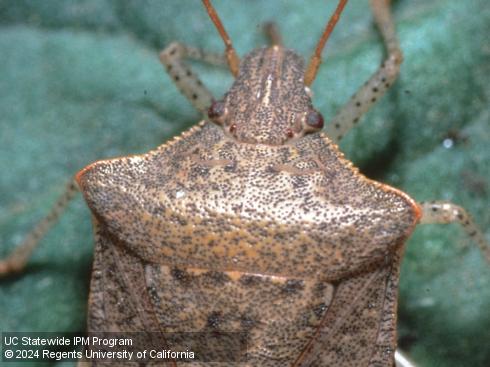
(81, 81)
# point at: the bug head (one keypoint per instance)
(269, 101)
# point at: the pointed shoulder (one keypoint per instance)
(208, 201)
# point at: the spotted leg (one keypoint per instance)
(17, 260)
(173, 58)
(379, 82)
(445, 212)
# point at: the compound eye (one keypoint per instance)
(217, 111)
(314, 120)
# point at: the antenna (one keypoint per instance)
(316, 58)
(231, 56)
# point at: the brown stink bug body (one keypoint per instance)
(260, 204)
(279, 234)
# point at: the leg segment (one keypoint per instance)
(445, 212)
(379, 82)
(17, 260)
(173, 58)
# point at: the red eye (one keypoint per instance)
(216, 110)
(314, 119)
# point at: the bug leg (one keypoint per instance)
(445, 212)
(379, 82)
(173, 58)
(17, 260)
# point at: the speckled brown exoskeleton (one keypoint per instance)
(254, 221)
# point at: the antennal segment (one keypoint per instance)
(231, 56)
(316, 59)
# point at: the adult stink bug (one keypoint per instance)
(305, 53)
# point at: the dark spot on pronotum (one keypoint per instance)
(358, 104)
(189, 73)
(249, 280)
(434, 209)
(194, 96)
(230, 167)
(375, 90)
(218, 277)
(153, 293)
(337, 126)
(292, 286)
(373, 99)
(173, 51)
(247, 322)
(179, 275)
(177, 78)
(319, 310)
(356, 120)
(214, 320)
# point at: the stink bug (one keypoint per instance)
(318, 94)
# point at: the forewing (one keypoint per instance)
(119, 298)
(359, 328)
